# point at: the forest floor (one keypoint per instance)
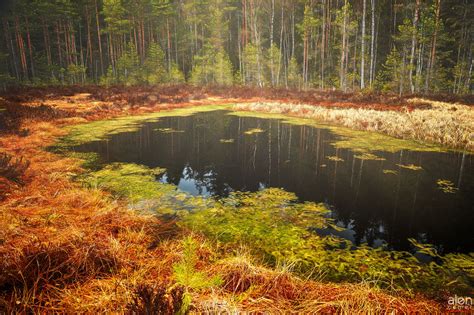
(68, 248)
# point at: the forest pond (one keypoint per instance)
(378, 196)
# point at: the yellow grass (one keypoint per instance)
(450, 125)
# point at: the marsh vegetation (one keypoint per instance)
(211, 208)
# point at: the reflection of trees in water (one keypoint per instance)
(374, 204)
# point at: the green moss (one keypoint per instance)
(135, 182)
(355, 140)
(90, 160)
(139, 184)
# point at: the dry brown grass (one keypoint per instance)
(69, 249)
(450, 125)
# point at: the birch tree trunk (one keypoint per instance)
(362, 51)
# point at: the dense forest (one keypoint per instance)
(403, 46)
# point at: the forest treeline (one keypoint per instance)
(402, 46)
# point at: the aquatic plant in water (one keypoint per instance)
(334, 158)
(275, 227)
(412, 167)
(226, 140)
(102, 129)
(253, 131)
(446, 186)
(279, 230)
(355, 140)
(369, 156)
(168, 130)
(133, 181)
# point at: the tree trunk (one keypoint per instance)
(433, 48)
(372, 43)
(99, 39)
(21, 48)
(30, 48)
(362, 52)
(413, 45)
(343, 49)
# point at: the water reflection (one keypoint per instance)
(378, 200)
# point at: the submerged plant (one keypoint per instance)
(369, 156)
(412, 167)
(133, 181)
(279, 230)
(446, 186)
(226, 140)
(168, 130)
(253, 131)
(335, 158)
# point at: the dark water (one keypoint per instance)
(374, 206)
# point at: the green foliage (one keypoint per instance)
(175, 75)
(130, 71)
(154, 71)
(128, 67)
(252, 61)
(273, 64)
(212, 67)
(269, 220)
(75, 74)
(114, 13)
(133, 181)
(294, 75)
(278, 229)
(393, 76)
(185, 273)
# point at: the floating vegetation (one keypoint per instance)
(392, 172)
(226, 140)
(334, 158)
(278, 229)
(446, 186)
(412, 167)
(369, 156)
(253, 131)
(103, 129)
(355, 140)
(136, 182)
(168, 130)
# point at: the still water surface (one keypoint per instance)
(376, 200)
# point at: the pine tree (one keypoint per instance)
(154, 69)
(294, 76)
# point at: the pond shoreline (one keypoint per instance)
(100, 246)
